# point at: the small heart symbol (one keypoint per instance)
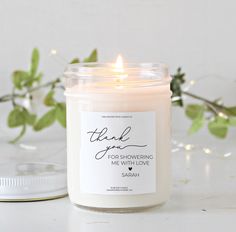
(130, 168)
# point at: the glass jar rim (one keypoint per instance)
(126, 64)
(106, 75)
(79, 70)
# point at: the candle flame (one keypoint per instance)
(119, 65)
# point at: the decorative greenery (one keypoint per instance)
(214, 113)
(27, 82)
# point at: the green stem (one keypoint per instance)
(23, 130)
(51, 83)
(8, 97)
(212, 104)
(11, 97)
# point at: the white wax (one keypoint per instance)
(156, 99)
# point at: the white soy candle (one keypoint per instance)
(118, 135)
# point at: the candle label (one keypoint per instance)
(118, 152)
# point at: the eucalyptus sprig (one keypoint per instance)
(215, 114)
(27, 82)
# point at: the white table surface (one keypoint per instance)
(203, 199)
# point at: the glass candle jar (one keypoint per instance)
(118, 135)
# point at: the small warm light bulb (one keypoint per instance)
(119, 65)
(207, 150)
(188, 147)
(222, 115)
(53, 52)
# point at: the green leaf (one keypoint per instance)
(92, 57)
(34, 62)
(175, 85)
(75, 61)
(197, 124)
(194, 110)
(19, 78)
(49, 99)
(46, 120)
(231, 110)
(232, 121)
(29, 117)
(16, 118)
(218, 127)
(61, 113)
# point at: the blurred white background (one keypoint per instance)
(198, 35)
